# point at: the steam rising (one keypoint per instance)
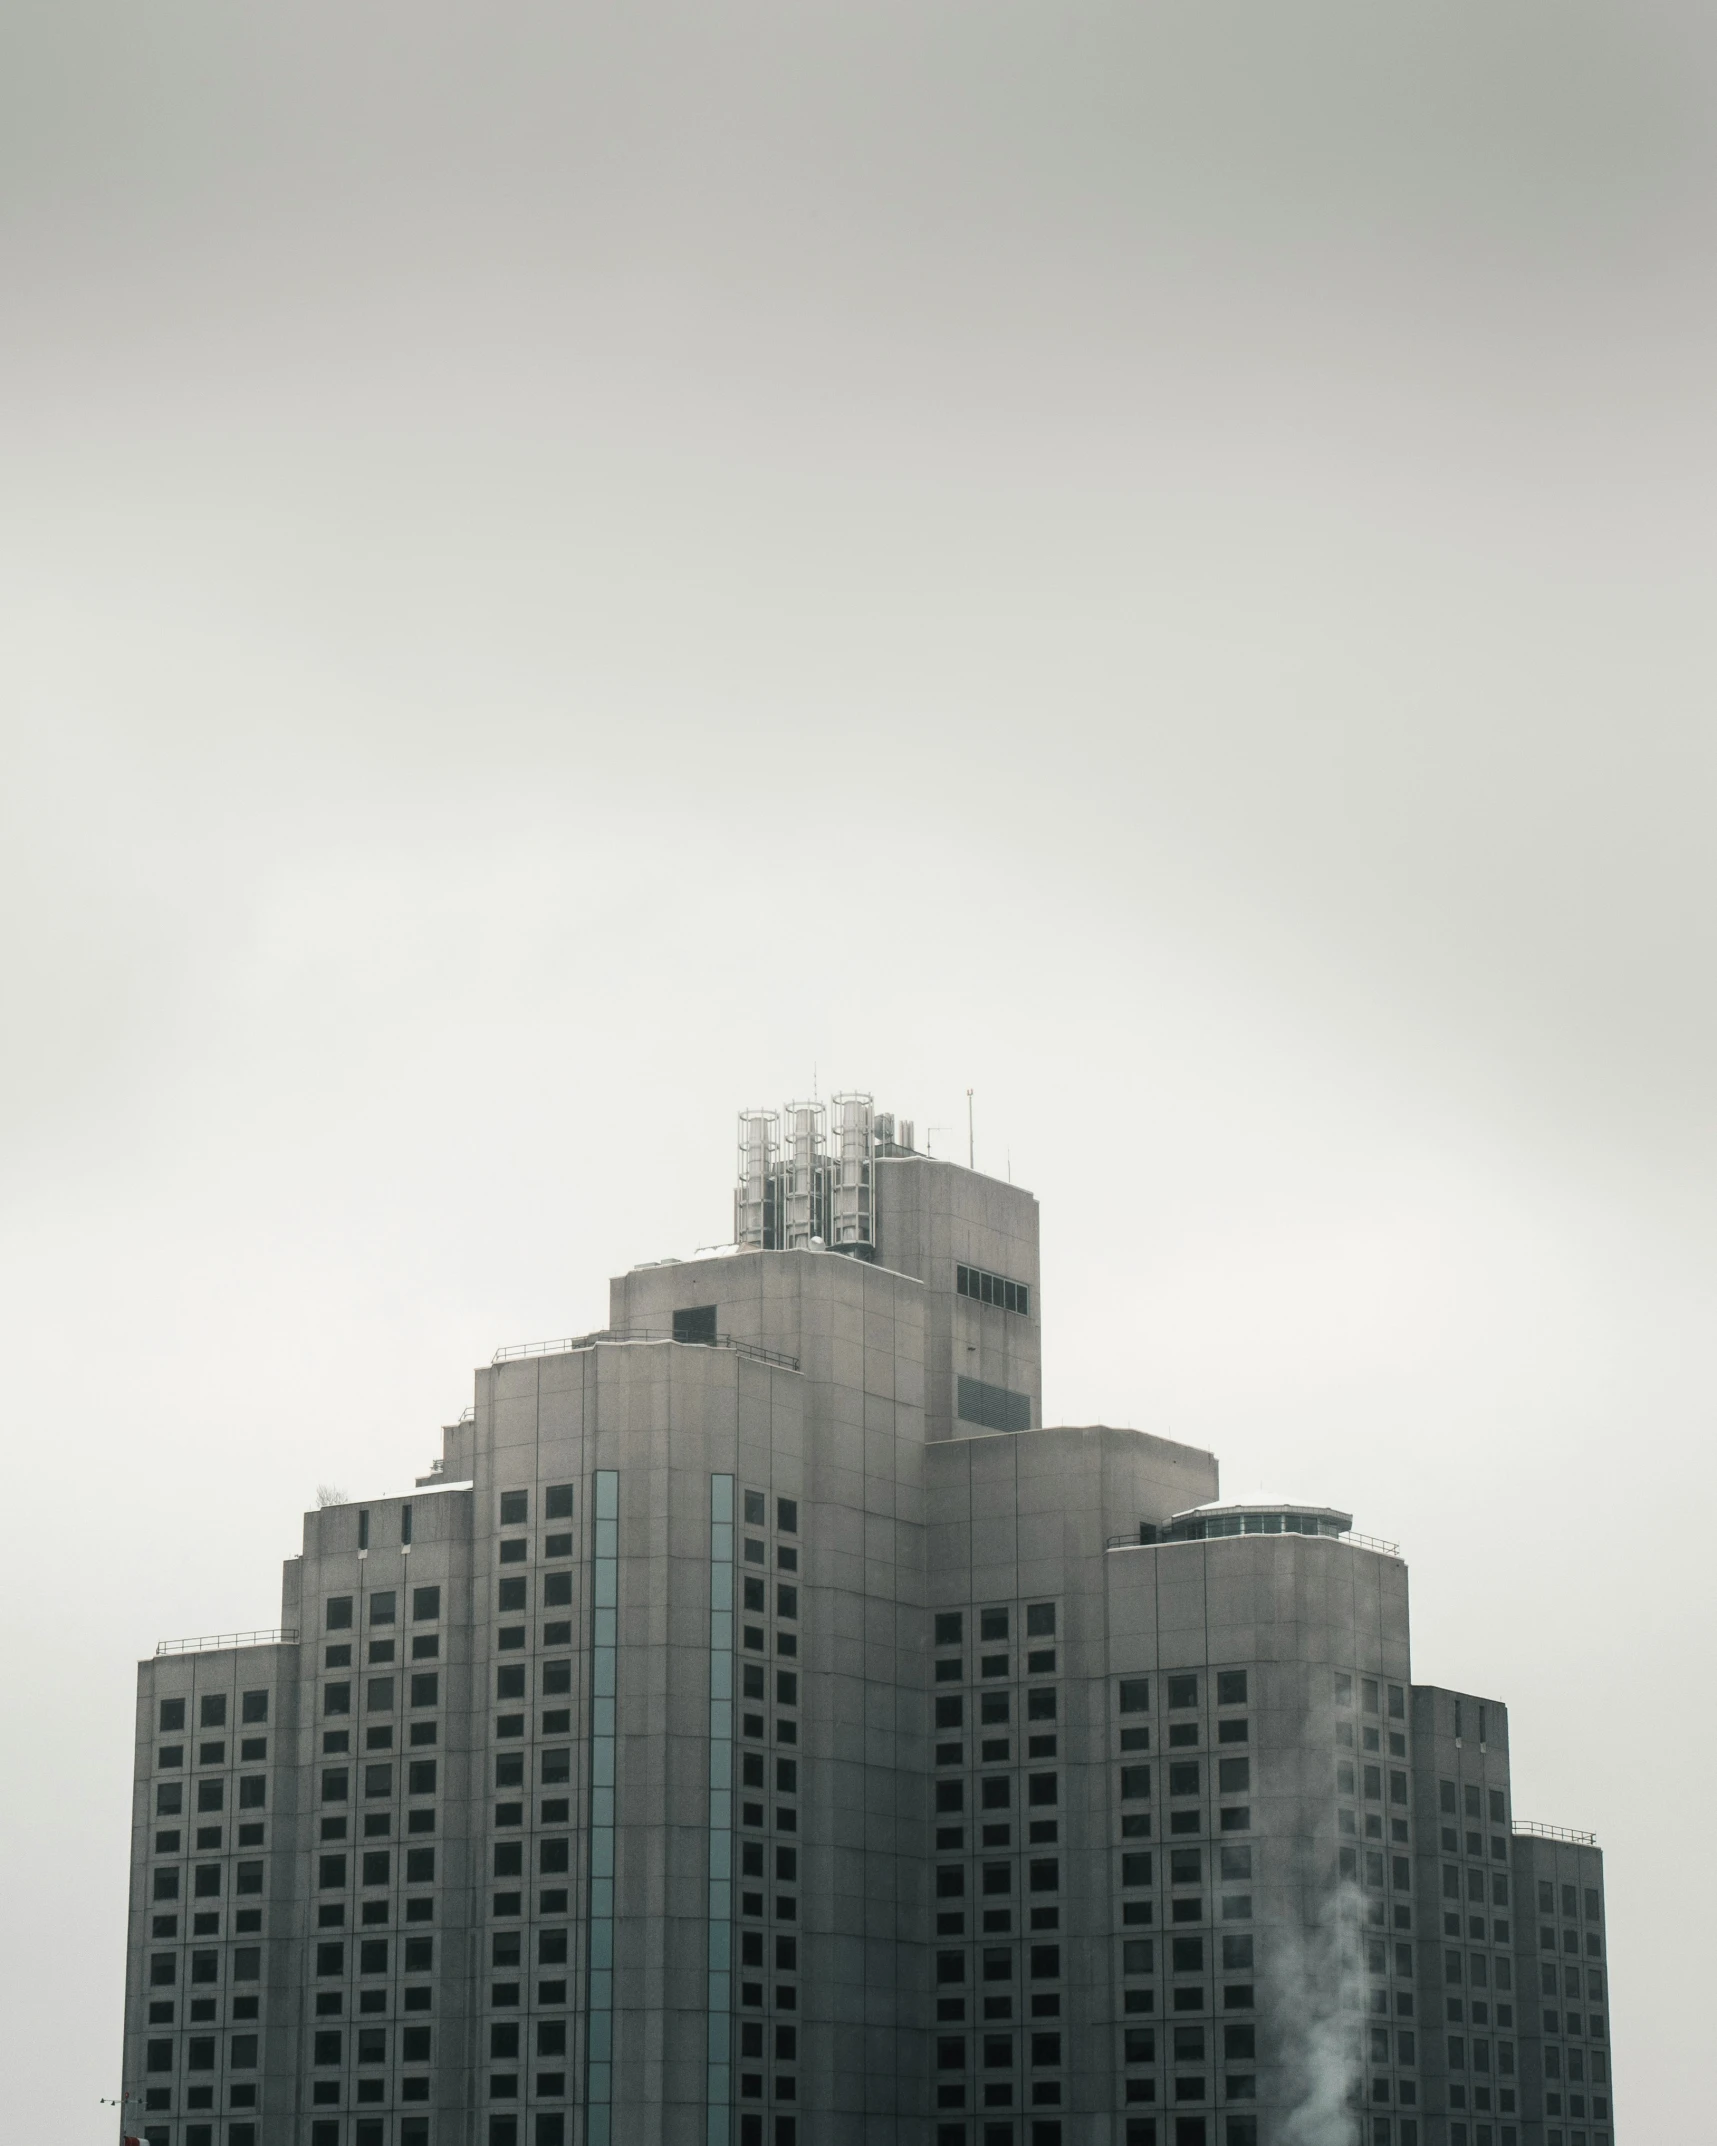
(1314, 1998)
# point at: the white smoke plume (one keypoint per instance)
(1314, 1995)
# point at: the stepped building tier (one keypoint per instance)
(761, 1729)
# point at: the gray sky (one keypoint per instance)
(562, 571)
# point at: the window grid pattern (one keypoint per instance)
(599, 1985)
(718, 2085)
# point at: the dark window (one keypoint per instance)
(1236, 1955)
(1135, 1695)
(425, 1604)
(996, 1289)
(1040, 1620)
(1231, 1687)
(1183, 1776)
(1233, 1776)
(515, 1508)
(695, 1323)
(172, 1716)
(382, 1606)
(786, 1601)
(1136, 1783)
(557, 1501)
(425, 1687)
(339, 1613)
(1189, 1955)
(212, 1714)
(511, 1594)
(253, 1706)
(336, 1699)
(756, 1509)
(992, 1408)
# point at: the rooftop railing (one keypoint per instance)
(1162, 1540)
(214, 1641)
(641, 1333)
(1534, 1831)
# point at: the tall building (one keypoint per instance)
(760, 1729)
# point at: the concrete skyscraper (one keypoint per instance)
(761, 1729)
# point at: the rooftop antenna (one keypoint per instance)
(971, 1163)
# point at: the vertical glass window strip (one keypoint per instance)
(719, 2081)
(599, 1986)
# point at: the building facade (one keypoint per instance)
(760, 1729)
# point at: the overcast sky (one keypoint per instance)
(567, 569)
